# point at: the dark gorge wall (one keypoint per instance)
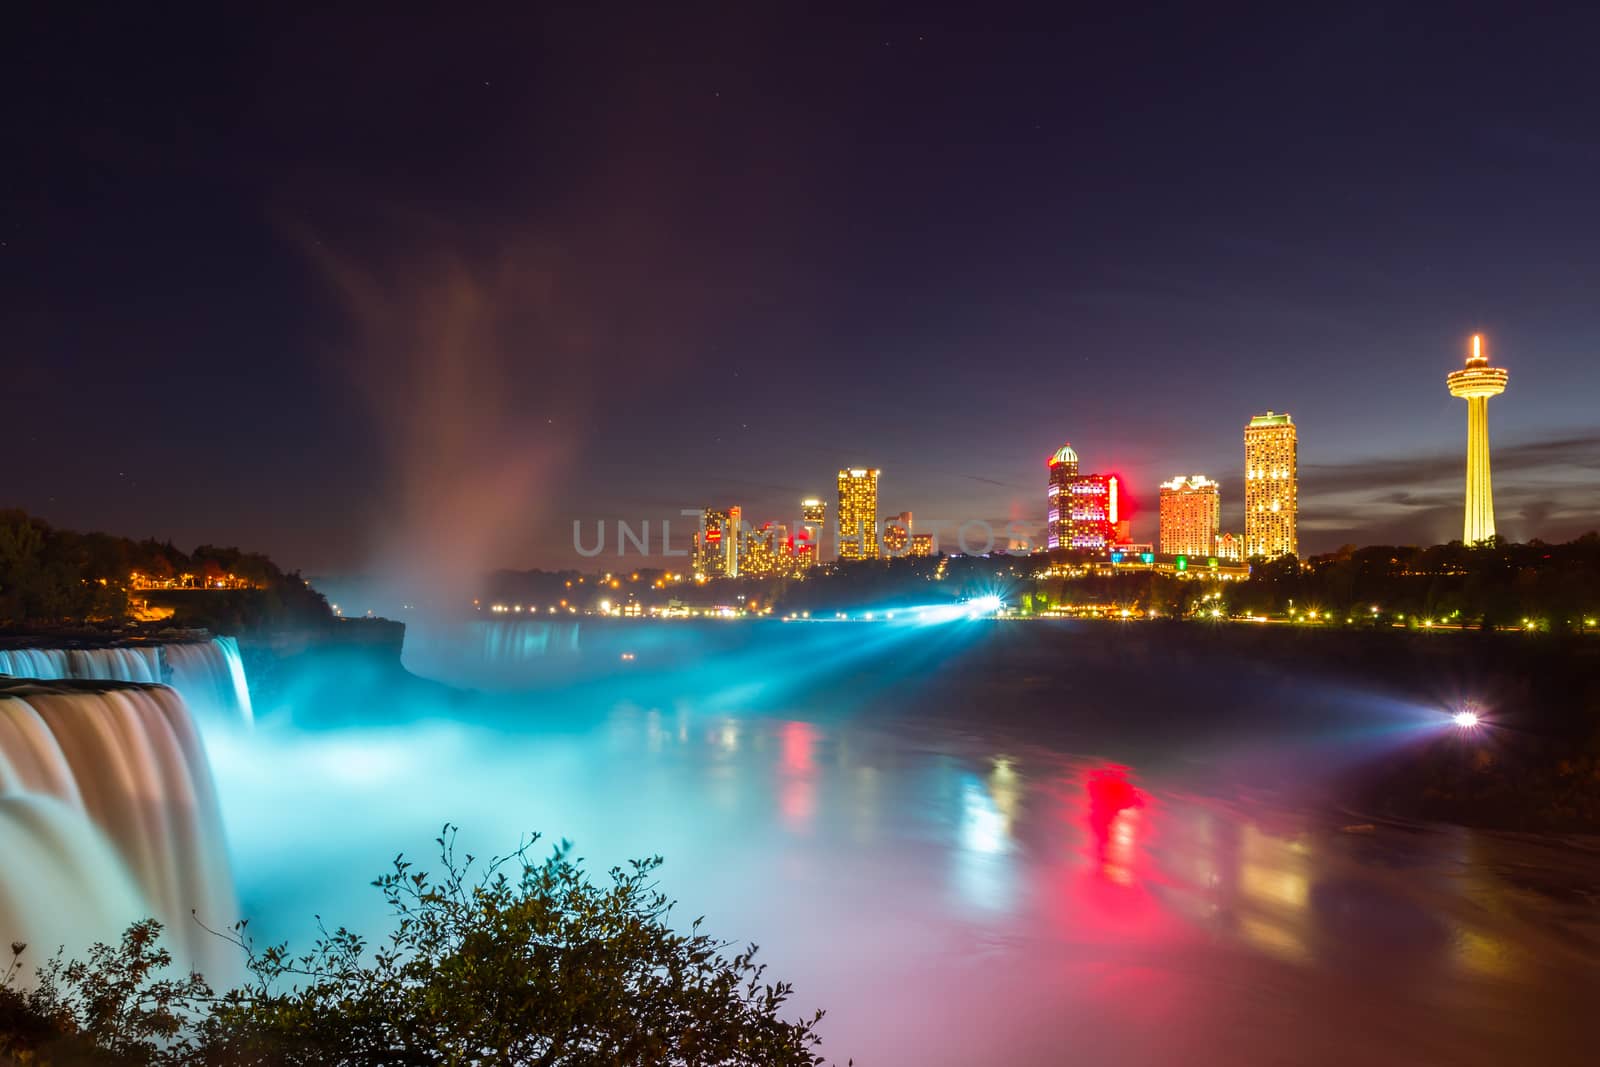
(348, 670)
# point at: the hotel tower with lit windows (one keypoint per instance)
(858, 513)
(897, 531)
(1058, 516)
(813, 517)
(1085, 510)
(1096, 511)
(1475, 384)
(716, 544)
(1271, 487)
(1191, 515)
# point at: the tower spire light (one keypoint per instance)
(1477, 359)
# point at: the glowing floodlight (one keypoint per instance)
(984, 605)
(1466, 719)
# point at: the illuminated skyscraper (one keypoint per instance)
(761, 550)
(716, 544)
(897, 534)
(1191, 515)
(808, 539)
(1476, 384)
(1094, 507)
(1085, 510)
(922, 544)
(1058, 516)
(1271, 487)
(858, 513)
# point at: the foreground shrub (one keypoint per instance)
(520, 961)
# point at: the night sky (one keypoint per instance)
(397, 291)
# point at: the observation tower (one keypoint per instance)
(1475, 384)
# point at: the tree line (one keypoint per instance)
(1496, 585)
(55, 577)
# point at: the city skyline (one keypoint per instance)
(1188, 520)
(1188, 509)
(1082, 513)
(564, 242)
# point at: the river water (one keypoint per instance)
(962, 868)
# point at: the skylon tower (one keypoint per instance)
(1475, 384)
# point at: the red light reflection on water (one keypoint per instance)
(1115, 887)
(1113, 801)
(1108, 902)
(1115, 808)
(798, 791)
(799, 738)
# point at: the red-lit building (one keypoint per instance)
(1095, 510)
(1086, 512)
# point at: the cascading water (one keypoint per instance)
(517, 641)
(113, 664)
(62, 884)
(209, 674)
(108, 813)
(34, 662)
(211, 678)
(502, 653)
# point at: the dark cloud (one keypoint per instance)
(1577, 450)
(994, 481)
(1543, 488)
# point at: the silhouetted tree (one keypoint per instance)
(523, 961)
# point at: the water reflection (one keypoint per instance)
(797, 786)
(1114, 808)
(900, 872)
(984, 868)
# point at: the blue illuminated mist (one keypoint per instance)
(922, 821)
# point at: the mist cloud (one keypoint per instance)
(465, 366)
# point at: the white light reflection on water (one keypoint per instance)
(948, 903)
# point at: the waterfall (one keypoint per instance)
(34, 662)
(107, 813)
(514, 642)
(115, 664)
(209, 674)
(112, 664)
(499, 653)
(211, 678)
(62, 885)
